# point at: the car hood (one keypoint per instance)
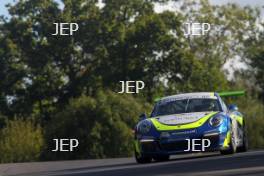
(178, 119)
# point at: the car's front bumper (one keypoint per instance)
(170, 146)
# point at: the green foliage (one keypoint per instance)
(255, 53)
(103, 125)
(253, 110)
(20, 141)
(123, 40)
(58, 80)
(3, 121)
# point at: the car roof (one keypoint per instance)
(211, 95)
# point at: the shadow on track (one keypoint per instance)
(189, 165)
(183, 158)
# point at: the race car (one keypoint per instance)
(190, 122)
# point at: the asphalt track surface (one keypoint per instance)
(241, 164)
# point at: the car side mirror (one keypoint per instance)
(143, 117)
(232, 108)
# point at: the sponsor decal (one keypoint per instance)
(188, 96)
(183, 132)
(178, 119)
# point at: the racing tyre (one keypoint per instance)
(244, 147)
(161, 158)
(232, 148)
(142, 159)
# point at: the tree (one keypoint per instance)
(255, 59)
(61, 79)
(119, 41)
(102, 124)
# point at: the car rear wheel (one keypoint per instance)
(142, 159)
(244, 147)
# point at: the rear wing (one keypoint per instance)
(232, 93)
(221, 94)
(157, 99)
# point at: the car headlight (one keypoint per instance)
(216, 121)
(144, 126)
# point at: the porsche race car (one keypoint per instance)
(191, 122)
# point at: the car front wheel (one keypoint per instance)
(232, 147)
(142, 159)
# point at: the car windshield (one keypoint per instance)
(185, 106)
